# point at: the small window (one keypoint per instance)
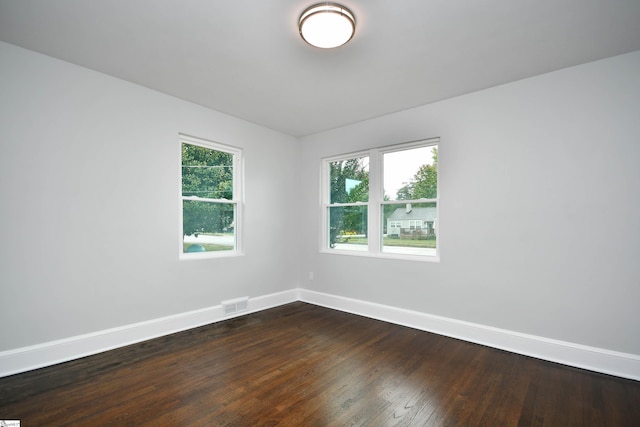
(383, 202)
(210, 197)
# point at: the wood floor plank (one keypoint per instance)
(304, 365)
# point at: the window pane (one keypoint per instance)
(409, 228)
(206, 173)
(348, 228)
(349, 180)
(411, 174)
(208, 226)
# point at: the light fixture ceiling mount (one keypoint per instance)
(327, 25)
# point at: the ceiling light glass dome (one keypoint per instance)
(327, 25)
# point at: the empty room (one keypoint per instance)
(412, 213)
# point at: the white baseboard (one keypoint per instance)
(623, 365)
(592, 358)
(53, 352)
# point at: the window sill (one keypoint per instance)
(209, 255)
(383, 255)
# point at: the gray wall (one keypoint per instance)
(89, 196)
(539, 212)
(539, 206)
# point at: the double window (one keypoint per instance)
(383, 202)
(211, 199)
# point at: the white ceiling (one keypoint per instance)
(245, 57)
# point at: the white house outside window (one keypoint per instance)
(211, 199)
(383, 202)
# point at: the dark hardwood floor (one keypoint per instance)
(303, 365)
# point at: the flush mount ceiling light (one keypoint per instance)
(327, 25)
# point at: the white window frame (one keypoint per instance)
(376, 201)
(237, 200)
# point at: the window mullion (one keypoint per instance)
(402, 202)
(205, 199)
(375, 197)
(337, 205)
